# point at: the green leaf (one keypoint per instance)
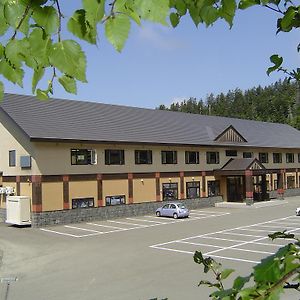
(37, 76)
(12, 52)
(209, 14)
(14, 75)
(181, 7)
(42, 95)
(286, 23)
(277, 61)
(94, 10)
(225, 273)
(68, 57)
(3, 25)
(117, 30)
(128, 8)
(13, 13)
(46, 17)
(244, 4)
(1, 51)
(1, 90)
(68, 83)
(81, 28)
(227, 11)
(239, 282)
(174, 18)
(154, 10)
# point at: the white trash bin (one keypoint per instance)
(18, 210)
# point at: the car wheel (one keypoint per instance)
(158, 214)
(175, 216)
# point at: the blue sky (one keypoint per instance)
(160, 65)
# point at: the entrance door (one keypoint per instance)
(234, 189)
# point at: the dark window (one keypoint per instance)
(290, 181)
(212, 157)
(298, 157)
(277, 158)
(115, 200)
(83, 157)
(169, 157)
(143, 157)
(114, 157)
(290, 157)
(25, 161)
(191, 157)
(12, 158)
(82, 202)
(247, 154)
(213, 188)
(263, 157)
(193, 189)
(170, 191)
(231, 153)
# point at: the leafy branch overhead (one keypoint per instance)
(32, 32)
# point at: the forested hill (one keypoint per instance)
(273, 103)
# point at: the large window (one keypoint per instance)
(191, 157)
(115, 200)
(289, 157)
(143, 157)
(83, 157)
(212, 157)
(290, 182)
(82, 202)
(231, 153)
(193, 189)
(12, 158)
(169, 157)
(114, 157)
(213, 188)
(298, 157)
(247, 154)
(277, 158)
(170, 191)
(263, 157)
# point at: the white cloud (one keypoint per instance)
(160, 37)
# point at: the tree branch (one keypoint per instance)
(21, 21)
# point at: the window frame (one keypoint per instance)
(262, 155)
(289, 158)
(164, 157)
(108, 157)
(209, 160)
(280, 158)
(137, 157)
(188, 158)
(193, 185)
(246, 156)
(12, 160)
(215, 184)
(90, 156)
(172, 186)
(231, 153)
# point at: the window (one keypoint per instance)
(12, 158)
(231, 153)
(143, 157)
(170, 191)
(277, 158)
(298, 157)
(82, 202)
(169, 157)
(289, 157)
(212, 157)
(263, 157)
(115, 200)
(191, 157)
(247, 154)
(114, 157)
(193, 189)
(83, 157)
(213, 188)
(290, 181)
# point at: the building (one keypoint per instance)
(69, 155)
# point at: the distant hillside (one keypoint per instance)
(273, 103)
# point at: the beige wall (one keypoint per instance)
(115, 188)
(144, 190)
(83, 189)
(52, 195)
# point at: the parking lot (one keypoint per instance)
(139, 257)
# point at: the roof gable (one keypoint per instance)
(230, 134)
(241, 164)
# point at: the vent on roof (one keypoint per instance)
(230, 134)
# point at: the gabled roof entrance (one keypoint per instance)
(230, 134)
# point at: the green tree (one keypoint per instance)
(33, 32)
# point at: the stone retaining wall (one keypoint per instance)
(287, 193)
(110, 212)
(2, 215)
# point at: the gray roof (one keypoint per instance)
(238, 164)
(58, 119)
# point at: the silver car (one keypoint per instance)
(174, 210)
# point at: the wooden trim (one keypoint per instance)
(18, 185)
(52, 178)
(100, 190)
(157, 186)
(182, 185)
(192, 173)
(169, 174)
(36, 195)
(117, 176)
(143, 175)
(9, 178)
(27, 178)
(82, 177)
(130, 188)
(203, 184)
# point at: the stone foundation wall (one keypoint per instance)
(287, 193)
(2, 215)
(111, 212)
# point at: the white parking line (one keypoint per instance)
(61, 233)
(83, 229)
(127, 223)
(106, 226)
(148, 221)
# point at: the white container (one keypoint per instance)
(18, 210)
